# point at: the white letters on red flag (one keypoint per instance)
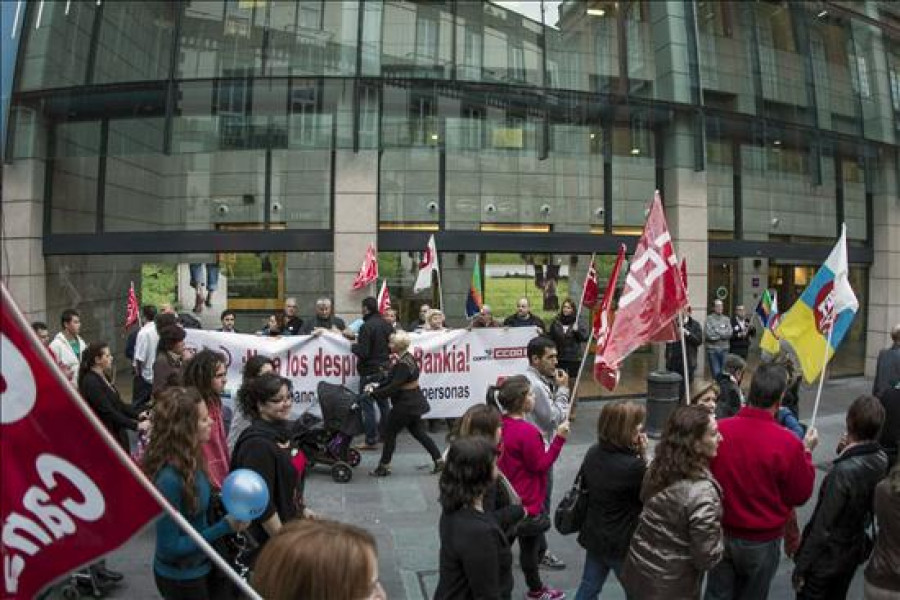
(384, 297)
(591, 292)
(426, 267)
(132, 310)
(368, 272)
(67, 498)
(654, 293)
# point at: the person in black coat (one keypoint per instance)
(103, 397)
(730, 398)
(568, 336)
(890, 432)
(475, 558)
(372, 350)
(887, 367)
(408, 404)
(693, 339)
(523, 317)
(835, 540)
(612, 472)
(742, 333)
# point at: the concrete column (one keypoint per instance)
(355, 225)
(884, 276)
(22, 262)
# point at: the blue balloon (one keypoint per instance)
(245, 495)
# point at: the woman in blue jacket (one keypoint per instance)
(175, 461)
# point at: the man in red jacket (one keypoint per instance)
(764, 471)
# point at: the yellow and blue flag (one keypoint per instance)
(823, 314)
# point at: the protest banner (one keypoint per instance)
(457, 365)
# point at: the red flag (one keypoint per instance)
(654, 293)
(603, 319)
(671, 332)
(591, 292)
(384, 297)
(132, 310)
(67, 496)
(368, 272)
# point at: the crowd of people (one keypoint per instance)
(707, 513)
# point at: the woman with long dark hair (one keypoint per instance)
(612, 473)
(175, 461)
(568, 337)
(255, 366)
(207, 372)
(679, 533)
(475, 558)
(169, 363)
(97, 388)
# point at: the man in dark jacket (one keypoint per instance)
(372, 361)
(292, 322)
(325, 320)
(890, 432)
(742, 333)
(418, 324)
(693, 338)
(835, 540)
(730, 398)
(523, 317)
(887, 369)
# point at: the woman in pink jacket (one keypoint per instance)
(526, 463)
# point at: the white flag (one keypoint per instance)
(426, 267)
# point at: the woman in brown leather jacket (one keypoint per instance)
(883, 571)
(408, 404)
(679, 532)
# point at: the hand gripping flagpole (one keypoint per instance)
(812, 421)
(128, 463)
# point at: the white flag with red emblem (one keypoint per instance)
(368, 272)
(132, 310)
(384, 297)
(427, 266)
(654, 293)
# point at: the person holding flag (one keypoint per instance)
(693, 339)
(767, 311)
(428, 266)
(568, 337)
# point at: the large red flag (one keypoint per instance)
(132, 310)
(654, 293)
(672, 332)
(368, 272)
(591, 292)
(603, 319)
(67, 496)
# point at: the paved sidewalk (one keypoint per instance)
(402, 510)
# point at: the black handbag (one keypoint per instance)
(570, 514)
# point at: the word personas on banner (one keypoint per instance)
(457, 366)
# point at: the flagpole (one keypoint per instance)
(580, 368)
(684, 360)
(440, 287)
(812, 421)
(583, 289)
(130, 465)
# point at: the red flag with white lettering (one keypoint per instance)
(368, 272)
(591, 292)
(132, 310)
(67, 497)
(384, 297)
(654, 293)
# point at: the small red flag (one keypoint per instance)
(654, 293)
(132, 309)
(591, 292)
(67, 497)
(384, 297)
(368, 272)
(603, 319)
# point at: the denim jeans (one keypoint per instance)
(596, 570)
(212, 276)
(716, 359)
(745, 572)
(373, 427)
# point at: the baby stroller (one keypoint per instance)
(327, 440)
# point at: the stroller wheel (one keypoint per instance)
(70, 592)
(353, 457)
(341, 472)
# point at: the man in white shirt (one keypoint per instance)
(67, 346)
(145, 355)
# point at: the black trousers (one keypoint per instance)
(141, 392)
(529, 559)
(398, 421)
(834, 587)
(184, 589)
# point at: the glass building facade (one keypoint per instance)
(275, 139)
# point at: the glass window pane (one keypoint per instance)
(135, 41)
(73, 200)
(57, 46)
(312, 37)
(634, 174)
(583, 47)
(221, 39)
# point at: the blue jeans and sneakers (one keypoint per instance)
(374, 427)
(596, 570)
(745, 572)
(716, 359)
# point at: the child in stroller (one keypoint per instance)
(327, 440)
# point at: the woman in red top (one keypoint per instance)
(526, 463)
(207, 372)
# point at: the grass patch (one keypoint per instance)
(158, 284)
(502, 293)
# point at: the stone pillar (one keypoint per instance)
(355, 225)
(884, 276)
(22, 261)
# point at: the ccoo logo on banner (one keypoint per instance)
(457, 366)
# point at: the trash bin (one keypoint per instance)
(663, 389)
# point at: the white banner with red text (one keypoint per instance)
(457, 365)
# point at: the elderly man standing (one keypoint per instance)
(325, 320)
(887, 369)
(718, 333)
(292, 321)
